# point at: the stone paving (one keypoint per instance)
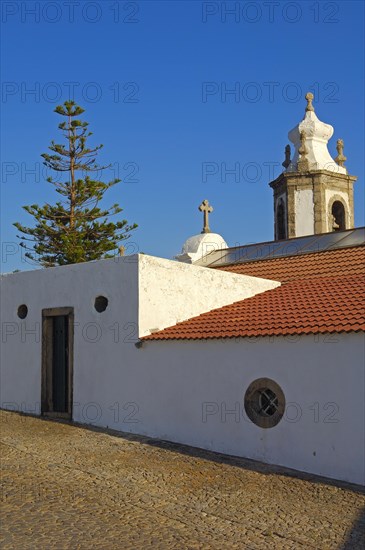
(69, 487)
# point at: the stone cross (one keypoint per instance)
(207, 209)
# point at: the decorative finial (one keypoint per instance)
(303, 164)
(121, 250)
(207, 209)
(287, 160)
(340, 159)
(309, 97)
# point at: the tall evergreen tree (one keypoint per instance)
(75, 229)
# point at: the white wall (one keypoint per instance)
(322, 378)
(170, 292)
(304, 212)
(143, 292)
(160, 389)
(75, 286)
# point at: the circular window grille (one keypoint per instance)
(22, 311)
(264, 402)
(101, 303)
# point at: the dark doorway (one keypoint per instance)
(338, 216)
(57, 361)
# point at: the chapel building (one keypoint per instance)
(255, 351)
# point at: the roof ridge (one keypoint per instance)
(286, 257)
(336, 262)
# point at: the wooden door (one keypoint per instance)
(57, 361)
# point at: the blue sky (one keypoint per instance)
(154, 78)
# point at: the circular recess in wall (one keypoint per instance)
(22, 311)
(264, 402)
(101, 303)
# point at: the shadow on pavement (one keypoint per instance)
(212, 456)
(355, 538)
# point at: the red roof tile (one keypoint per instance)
(321, 292)
(305, 306)
(339, 262)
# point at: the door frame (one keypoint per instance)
(47, 356)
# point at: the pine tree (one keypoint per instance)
(75, 229)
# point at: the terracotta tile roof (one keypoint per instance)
(307, 306)
(340, 262)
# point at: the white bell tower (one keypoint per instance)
(314, 194)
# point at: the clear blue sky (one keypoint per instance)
(140, 69)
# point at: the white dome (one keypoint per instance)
(200, 245)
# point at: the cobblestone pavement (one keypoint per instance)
(65, 486)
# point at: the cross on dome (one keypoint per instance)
(198, 246)
(207, 209)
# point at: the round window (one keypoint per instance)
(22, 311)
(264, 402)
(101, 303)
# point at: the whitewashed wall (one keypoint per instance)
(160, 389)
(304, 212)
(322, 378)
(143, 292)
(170, 292)
(74, 286)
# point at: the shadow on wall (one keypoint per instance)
(355, 537)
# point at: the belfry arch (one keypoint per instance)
(337, 215)
(280, 220)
